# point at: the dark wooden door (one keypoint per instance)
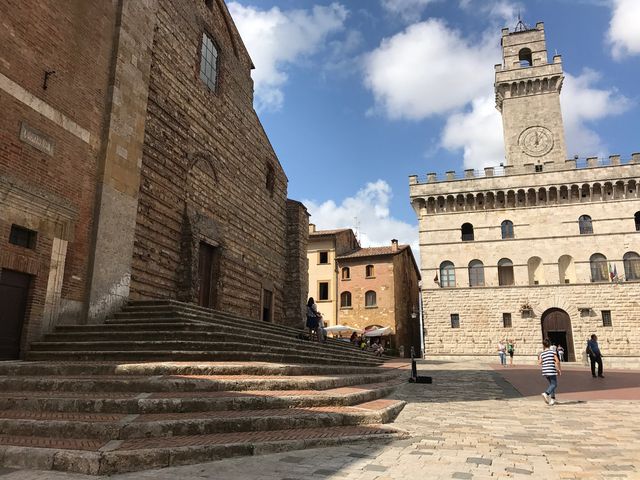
(14, 288)
(267, 305)
(205, 272)
(556, 326)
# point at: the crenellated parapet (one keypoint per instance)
(590, 180)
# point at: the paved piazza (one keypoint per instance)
(470, 424)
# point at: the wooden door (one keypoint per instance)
(556, 326)
(205, 272)
(14, 288)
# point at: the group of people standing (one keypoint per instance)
(506, 348)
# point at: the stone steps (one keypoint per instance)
(164, 383)
(97, 458)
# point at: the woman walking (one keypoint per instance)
(550, 363)
(502, 353)
(511, 349)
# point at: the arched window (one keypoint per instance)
(585, 224)
(370, 299)
(536, 271)
(567, 269)
(507, 229)
(631, 266)
(525, 58)
(369, 271)
(447, 274)
(637, 220)
(505, 272)
(599, 270)
(476, 273)
(467, 232)
(345, 299)
(346, 273)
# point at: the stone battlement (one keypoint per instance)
(506, 170)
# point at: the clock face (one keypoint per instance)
(536, 141)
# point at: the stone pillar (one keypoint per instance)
(296, 285)
(120, 160)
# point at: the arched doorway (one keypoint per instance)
(556, 326)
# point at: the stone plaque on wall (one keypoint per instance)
(36, 139)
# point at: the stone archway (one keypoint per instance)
(556, 326)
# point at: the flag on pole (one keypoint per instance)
(611, 274)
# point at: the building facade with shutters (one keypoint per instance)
(133, 166)
(542, 246)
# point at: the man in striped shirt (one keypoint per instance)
(550, 363)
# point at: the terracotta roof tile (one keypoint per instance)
(374, 252)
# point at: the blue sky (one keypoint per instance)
(356, 95)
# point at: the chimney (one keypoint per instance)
(312, 227)
(394, 245)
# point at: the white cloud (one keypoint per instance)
(370, 205)
(624, 34)
(276, 39)
(408, 10)
(582, 102)
(495, 10)
(429, 69)
(478, 132)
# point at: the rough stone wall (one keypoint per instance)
(186, 121)
(52, 192)
(406, 280)
(120, 160)
(297, 268)
(481, 310)
(359, 315)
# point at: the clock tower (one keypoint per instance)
(527, 90)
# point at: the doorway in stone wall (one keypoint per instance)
(14, 288)
(208, 268)
(556, 326)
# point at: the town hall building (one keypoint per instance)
(543, 246)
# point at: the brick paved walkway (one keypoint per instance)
(470, 424)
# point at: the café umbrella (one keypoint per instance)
(378, 332)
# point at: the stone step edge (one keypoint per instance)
(157, 384)
(26, 368)
(212, 316)
(112, 462)
(132, 427)
(177, 355)
(255, 347)
(364, 393)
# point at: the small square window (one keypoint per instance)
(455, 320)
(323, 291)
(538, 168)
(23, 237)
(323, 257)
(208, 62)
(606, 318)
(369, 271)
(506, 320)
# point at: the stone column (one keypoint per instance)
(121, 160)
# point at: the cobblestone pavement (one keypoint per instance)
(469, 424)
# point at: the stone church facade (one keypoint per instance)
(542, 246)
(133, 166)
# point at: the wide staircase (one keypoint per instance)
(163, 383)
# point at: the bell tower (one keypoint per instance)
(527, 90)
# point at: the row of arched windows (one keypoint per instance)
(601, 271)
(585, 226)
(369, 272)
(370, 299)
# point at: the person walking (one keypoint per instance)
(561, 353)
(550, 363)
(595, 356)
(511, 349)
(502, 353)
